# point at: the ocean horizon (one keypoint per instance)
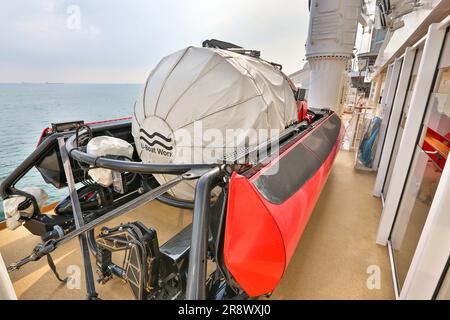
(27, 108)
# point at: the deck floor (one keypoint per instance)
(331, 261)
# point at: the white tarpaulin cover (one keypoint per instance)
(11, 206)
(195, 95)
(107, 146)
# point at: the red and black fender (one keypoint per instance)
(268, 211)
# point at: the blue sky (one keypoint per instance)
(121, 41)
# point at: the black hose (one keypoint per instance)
(183, 204)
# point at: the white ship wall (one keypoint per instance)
(396, 39)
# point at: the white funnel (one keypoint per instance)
(331, 39)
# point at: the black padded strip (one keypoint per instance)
(279, 183)
(318, 143)
(332, 127)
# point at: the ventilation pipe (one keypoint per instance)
(332, 34)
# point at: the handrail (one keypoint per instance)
(129, 166)
(27, 164)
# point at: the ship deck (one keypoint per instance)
(331, 260)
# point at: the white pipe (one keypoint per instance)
(331, 39)
(6, 287)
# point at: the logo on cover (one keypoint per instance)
(156, 143)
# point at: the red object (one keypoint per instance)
(302, 109)
(43, 134)
(106, 121)
(261, 236)
(433, 153)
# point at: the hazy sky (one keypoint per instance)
(101, 41)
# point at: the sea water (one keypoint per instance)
(26, 109)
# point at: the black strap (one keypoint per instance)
(52, 266)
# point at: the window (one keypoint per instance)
(424, 175)
(401, 127)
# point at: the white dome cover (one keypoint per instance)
(222, 89)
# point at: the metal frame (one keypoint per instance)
(393, 270)
(79, 221)
(207, 174)
(397, 110)
(197, 267)
(387, 106)
(196, 280)
(129, 166)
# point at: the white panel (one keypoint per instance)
(387, 84)
(6, 288)
(395, 119)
